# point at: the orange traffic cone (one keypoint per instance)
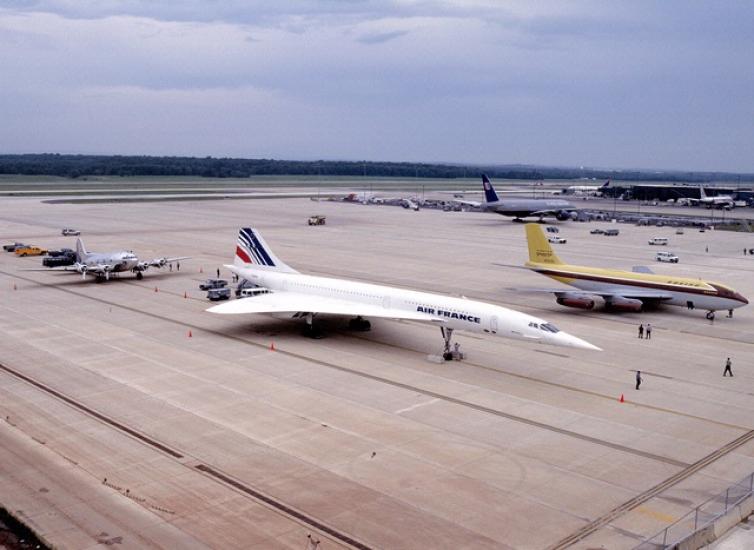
(272, 346)
(189, 334)
(622, 400)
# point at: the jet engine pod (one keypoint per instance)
(625, 304)
(565, 215)
(572, 299)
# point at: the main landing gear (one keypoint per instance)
(139, 275)
(312, 330)
(359, 324)
(447, 334)
(711, 316)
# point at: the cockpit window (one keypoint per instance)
(549, 327)
(533, 325)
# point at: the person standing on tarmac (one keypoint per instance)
(638, 379)
(648, 331)
(727, 368)
(641, 331)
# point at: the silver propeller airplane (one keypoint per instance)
(102, 264)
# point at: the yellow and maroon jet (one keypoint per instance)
(624, 290)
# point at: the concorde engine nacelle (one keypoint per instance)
(565, 215)
(625, 304)
(571, 299)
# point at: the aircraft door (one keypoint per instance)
(493, 324)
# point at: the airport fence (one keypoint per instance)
(680, 533)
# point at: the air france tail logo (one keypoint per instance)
(250, 250)
(486, 185)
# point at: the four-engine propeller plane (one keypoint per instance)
(624, 290)
(304, 296)
(102, 264)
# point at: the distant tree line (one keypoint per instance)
(74, 166)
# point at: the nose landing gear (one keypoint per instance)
(447, 334)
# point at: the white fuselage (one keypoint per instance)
(450, 312)
(119, 261)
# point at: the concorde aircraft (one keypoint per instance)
(102, 264)
(522, 208)
(624, 290)
(303, 296)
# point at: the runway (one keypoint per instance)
(150, 421)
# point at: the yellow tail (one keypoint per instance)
(540, 251)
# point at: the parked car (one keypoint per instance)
(61, 252)
(221, 293)
(612, 232)
(317, 220)
(666, 257)
(209, 284)
(58, 261)
(597, 231)
(557, 240)
(12, 247)
(679, 231)
(663, 241)
(68, 231)
(552, 229)
(27, 250)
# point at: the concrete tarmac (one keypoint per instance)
(129, 415)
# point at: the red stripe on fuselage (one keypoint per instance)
(241, 254)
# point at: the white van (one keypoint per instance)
(659, 240)
(666, 257)
(253, 291)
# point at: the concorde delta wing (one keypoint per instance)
(294, 302)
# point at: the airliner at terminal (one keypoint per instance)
(304, 296)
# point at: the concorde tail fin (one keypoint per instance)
(252, 251)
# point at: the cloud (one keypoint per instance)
(380, 38)
(629, 84)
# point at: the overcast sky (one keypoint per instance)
(666, 84)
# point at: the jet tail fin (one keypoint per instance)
(252, 251)
(80, 250)
(540, 251)
(702, 194)
(489, 191)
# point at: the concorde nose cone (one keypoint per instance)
(569, 340)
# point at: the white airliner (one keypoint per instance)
(298, 295)
(588, 190)
(716, 201)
